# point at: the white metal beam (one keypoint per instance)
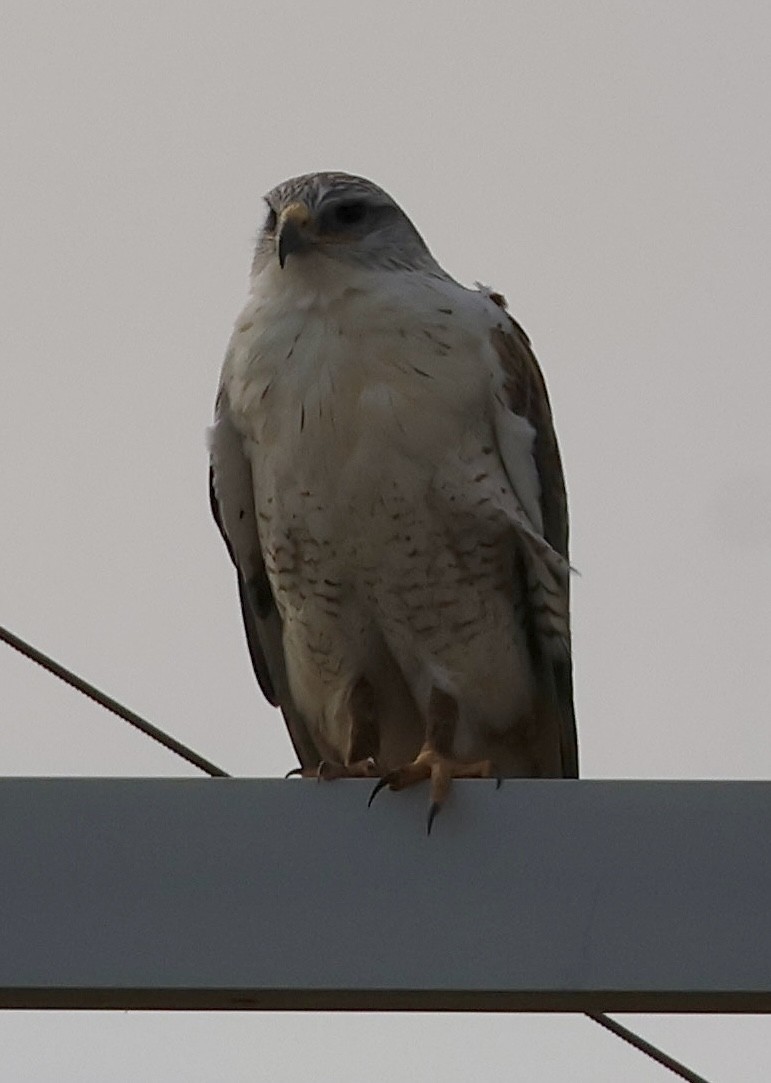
(241, 893)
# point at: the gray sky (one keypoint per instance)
(604, 164)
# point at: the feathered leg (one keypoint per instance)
(363, 743)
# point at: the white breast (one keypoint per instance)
(332, 378)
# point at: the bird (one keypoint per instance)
(386, 477)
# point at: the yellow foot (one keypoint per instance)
(440, 770)
(328, 770)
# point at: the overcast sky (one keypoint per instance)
(603, 164)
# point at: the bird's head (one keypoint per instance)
(343, 218)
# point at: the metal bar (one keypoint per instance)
(110, 704)
(541, 896)
(650, 1050)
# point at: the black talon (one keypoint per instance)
(294, 771)
(379, 785)
(432, 816)
(499, 782)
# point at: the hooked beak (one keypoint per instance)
(293, 231)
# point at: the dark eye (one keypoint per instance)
(271, 221)
(350, 212)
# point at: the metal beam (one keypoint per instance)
(240, 893)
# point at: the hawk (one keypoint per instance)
(387, 480)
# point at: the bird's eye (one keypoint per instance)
(350, 212)
(271, 221)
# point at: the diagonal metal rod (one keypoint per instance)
(110, 704)
(646, 1047)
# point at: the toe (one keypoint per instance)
(329, 770)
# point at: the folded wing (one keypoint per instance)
(232, 501)
(547, 570)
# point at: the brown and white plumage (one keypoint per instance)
(385, 473)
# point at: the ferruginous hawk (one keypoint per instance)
(386, 477)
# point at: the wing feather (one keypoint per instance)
(525, 397)
(232, 502)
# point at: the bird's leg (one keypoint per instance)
(434, 761)
(364, 739)
(363, 743)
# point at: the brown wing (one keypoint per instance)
(525, 394)
(232, 504)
